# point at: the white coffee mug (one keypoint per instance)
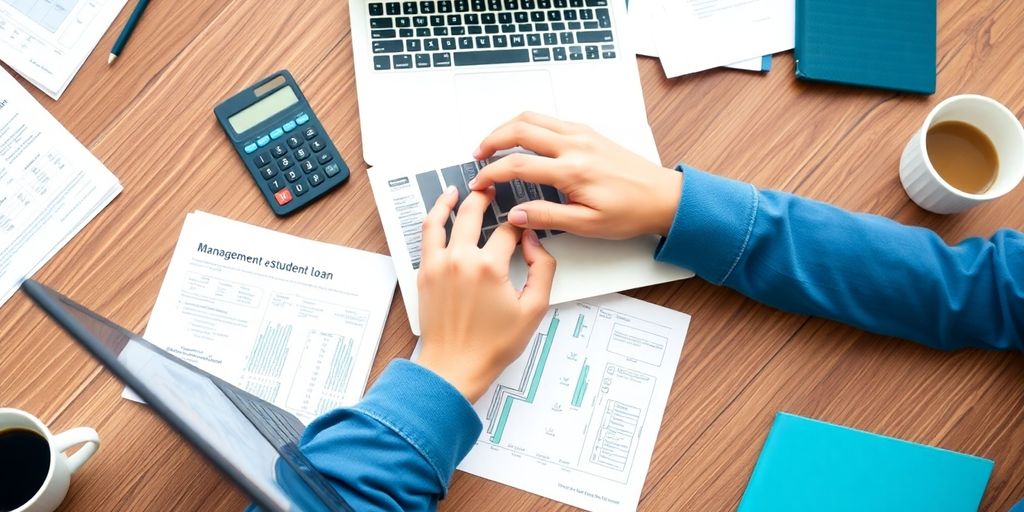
(55, 487)
(924, 185)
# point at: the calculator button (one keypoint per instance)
(251, 148)
(302, 119)
(289, 126)
(302, 153)
(277, 133)
(316, 178)
(331, 170)
(317, 145)
(268, 172)
(285, 163)
(283, 196)
(309, 133)
(262, 159)
(307, 166)
(324, 158)
(275, 184)
(300, 188)
(292, 175)
(294, 141)
(279, 150)
(263, 141)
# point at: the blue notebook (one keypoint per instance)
(888, 44)
(809, 465)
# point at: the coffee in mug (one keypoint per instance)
(25, 463)
(35, 471)
(969, 150)
(963, 155)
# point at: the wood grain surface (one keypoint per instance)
(149, 119)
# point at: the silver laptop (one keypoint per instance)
(434, 77)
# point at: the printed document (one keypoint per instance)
(575, 418)
(47, 41)
(642, 22)
(50, 185)
(295, 322)
(405, 196)
(694, 35)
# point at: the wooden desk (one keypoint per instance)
(149, 118)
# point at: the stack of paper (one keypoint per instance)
(47, 41)
(694, 35)
(50, 185)
(295, 322)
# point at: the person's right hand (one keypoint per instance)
(612, 192)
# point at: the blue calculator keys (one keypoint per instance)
(304, 164)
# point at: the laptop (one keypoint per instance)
(251, 442)
(434, 77)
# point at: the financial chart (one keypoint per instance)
(576, 416)
(300, 333)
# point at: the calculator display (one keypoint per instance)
(263, 109)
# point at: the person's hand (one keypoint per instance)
(474, 323)
(612, 192)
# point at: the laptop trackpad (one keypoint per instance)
(486, 100)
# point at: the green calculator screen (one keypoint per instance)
(263, 109)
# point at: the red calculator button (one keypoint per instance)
(283, 196)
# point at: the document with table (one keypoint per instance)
(575, 418)
(47, 41)
(50, 185)
(293, 321)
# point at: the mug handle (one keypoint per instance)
(65, 440)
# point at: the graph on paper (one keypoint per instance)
(576, 416)
(303, 357)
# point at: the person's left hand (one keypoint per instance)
(474, 323)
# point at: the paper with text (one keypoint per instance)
(47, 41)
(575, 418)
(293, 321)
(50, 185)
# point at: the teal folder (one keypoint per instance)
(888, 44)
(809, 465)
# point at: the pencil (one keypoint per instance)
(129, 27)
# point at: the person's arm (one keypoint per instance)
(812, 258)
(396, 449)
(792, 253)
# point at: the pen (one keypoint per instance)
(129, 27)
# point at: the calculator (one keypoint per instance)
(282, 143)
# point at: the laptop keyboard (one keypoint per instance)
(445, 33)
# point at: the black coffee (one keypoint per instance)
(24, 463)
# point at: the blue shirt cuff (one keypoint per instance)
(712, 225)
(425, 410)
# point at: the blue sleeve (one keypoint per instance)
(864, 270)
(398, 447)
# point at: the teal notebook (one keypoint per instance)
(888, 44)
(809, 465)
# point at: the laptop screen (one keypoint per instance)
(193, 403)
